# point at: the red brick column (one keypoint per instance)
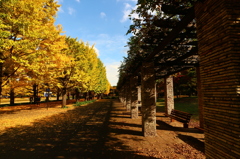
(148, 99)
(134, 97)
(169, 95)
(218, 31)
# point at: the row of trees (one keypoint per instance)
(35, 56)
(155, 20)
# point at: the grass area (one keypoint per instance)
(84, 102)
(110, 97)
(186, 104)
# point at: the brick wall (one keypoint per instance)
(218, 27)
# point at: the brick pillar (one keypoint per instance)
(218, 32)
(148, 99)
(134, 97)
(169, 95)
(200, 98)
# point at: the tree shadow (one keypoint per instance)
(126, 124)
(165, 126)
(77, 134)
(194, 142)
(118, 116)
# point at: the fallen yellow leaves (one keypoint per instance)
(16, 116)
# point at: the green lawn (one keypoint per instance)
(186, 104)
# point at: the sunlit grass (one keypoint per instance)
(186, 104)
(84, 102)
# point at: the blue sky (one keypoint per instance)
(103, 23)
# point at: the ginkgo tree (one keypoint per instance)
(42, 67)
(33, 53)
(27, 29)
(73, 70)
(101, 83)
(17, 84)
(91, 74)
(83, 71)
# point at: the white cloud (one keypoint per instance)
(128, 6)
(110, 42)
(60, 9)
(112, 72)
(127, 11)
(71, 10)
(111, 50)
(78, 1)
(96, 50)
(103, 15)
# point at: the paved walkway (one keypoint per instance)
(100, 130)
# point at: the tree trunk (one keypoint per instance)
(68, 96)
(73, 95)
(58, 93)
(35, 92)
(64, 97)
(100, 96)
(77, 94)
(12, 96)
(86, 96)
(1, 79)
(47, 98)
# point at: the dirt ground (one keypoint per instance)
(102, 129)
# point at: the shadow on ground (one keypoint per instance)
(189, 139)
(80, 133)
